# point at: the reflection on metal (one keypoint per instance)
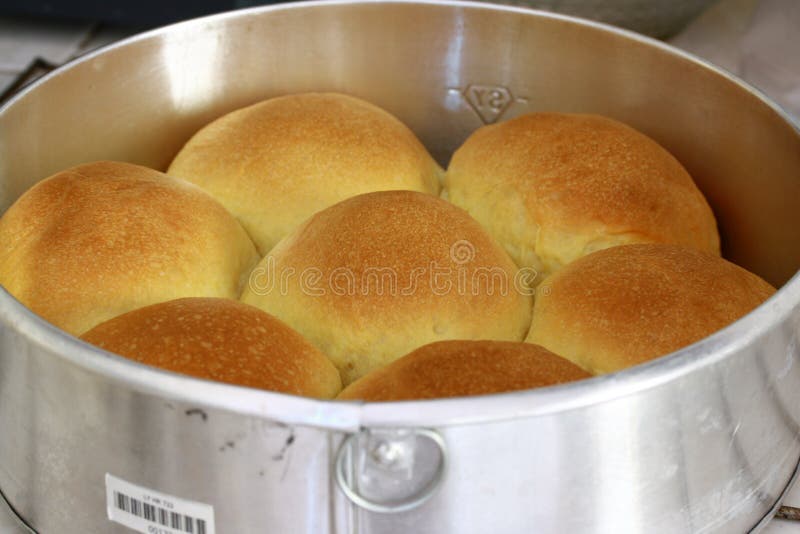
(390, 463)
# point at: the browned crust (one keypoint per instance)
(579, 175)
(103, 238)
(401, 230)
(462, 368)
(361, 326)
(626, 305)
(222, 340)
(275, 163)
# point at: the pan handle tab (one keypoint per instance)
(391, 470)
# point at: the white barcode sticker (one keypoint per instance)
(151, 512)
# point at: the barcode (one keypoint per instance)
(159, 515)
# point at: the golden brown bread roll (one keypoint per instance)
(275, 163)
(625, 305)
(461, 368)
(100, 239)
(552, 187)
(378, 275)
(223, 340)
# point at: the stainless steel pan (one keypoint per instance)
(703, 440)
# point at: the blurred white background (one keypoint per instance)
(758, 40)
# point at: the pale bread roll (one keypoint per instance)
(100, 239)
(378, 275)
(276, 163)
(552, 187)
(626, 305)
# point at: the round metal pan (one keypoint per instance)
(703, 440)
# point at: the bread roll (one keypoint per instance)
(552, 187)
(276, 163)
(378, 275)
(625, 305)
(223, 340)
(461, 368)
(103, 238)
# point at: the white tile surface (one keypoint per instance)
(779, 526)
(8, 523)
